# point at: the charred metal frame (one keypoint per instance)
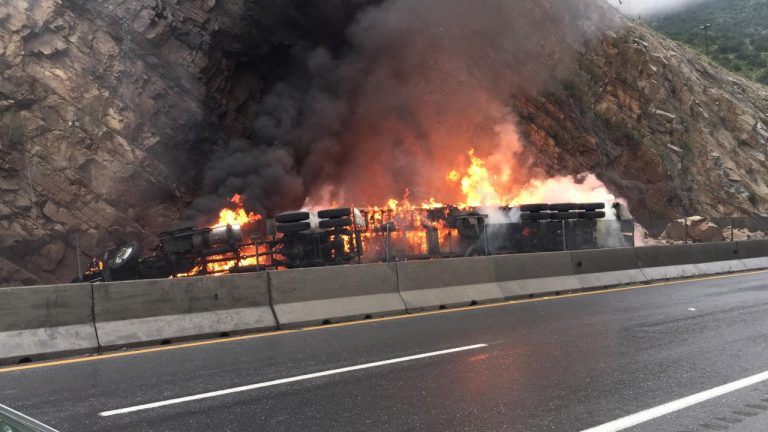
(466, 232)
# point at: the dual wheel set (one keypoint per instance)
(561, 212)
(296, 222)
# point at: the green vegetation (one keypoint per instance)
(754, 199)
(738, 36)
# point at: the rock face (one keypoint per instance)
(109, 108)
(100, 104)
(661, 125)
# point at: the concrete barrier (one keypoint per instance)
(49, 321)
(602, 268)
(534, 274)
(313, 296)
(429, 285)
(46, 321)
(680, 261)
(716, 258)
(150, 311)
(753, 254)
(666, 262)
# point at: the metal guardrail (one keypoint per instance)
(14, 421)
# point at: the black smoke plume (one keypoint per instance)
(367, 99)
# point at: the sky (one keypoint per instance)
(649, 7)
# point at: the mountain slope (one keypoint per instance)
(738, 37)
(661, 125)
(110, 112)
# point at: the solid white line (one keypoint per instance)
(661, 410)
(285, 380)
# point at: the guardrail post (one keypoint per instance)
(79, 263)
(733, 222)
(565, 244)
(387, 241)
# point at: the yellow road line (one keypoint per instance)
(140, 351)
(369, 321)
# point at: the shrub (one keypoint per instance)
(762, 77)
(753, 198)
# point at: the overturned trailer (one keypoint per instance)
(182, 252)
(452, 232)
(347, 235)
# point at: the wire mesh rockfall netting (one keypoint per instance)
(39, 235)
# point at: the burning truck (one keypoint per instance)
(344, 235)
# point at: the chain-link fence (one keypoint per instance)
(41, 239)
(698, 229)
(493, 239)
(553, 236)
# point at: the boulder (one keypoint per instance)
(58, 214)
(742, 234)
(89, 242)
(49, 257)
(698, 229)
(706, 232)
(675, 230)
(47, 44)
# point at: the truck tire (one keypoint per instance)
(592, 206)
(565, 207)
(336, 223)
(292, 217)
(561, 216)
(591, 215)
(535, 217)
(334, 213)
(534, 208)
(294, 227)
(123, 257)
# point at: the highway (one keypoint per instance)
(563, 364)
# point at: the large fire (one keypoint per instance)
(247, 255)
(236, 216)
(478, 185)
(405, 224)
(482, 188)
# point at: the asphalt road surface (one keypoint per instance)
(564, 364)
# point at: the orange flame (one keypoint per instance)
(478, 185)
(410, 228)
(244, 256)
(237, 216)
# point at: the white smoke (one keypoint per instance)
(609, 235)
(585, 188)
(641, 8)
(497, 215)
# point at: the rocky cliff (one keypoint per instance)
(105, 110)
(662, 126)
(110, 109)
